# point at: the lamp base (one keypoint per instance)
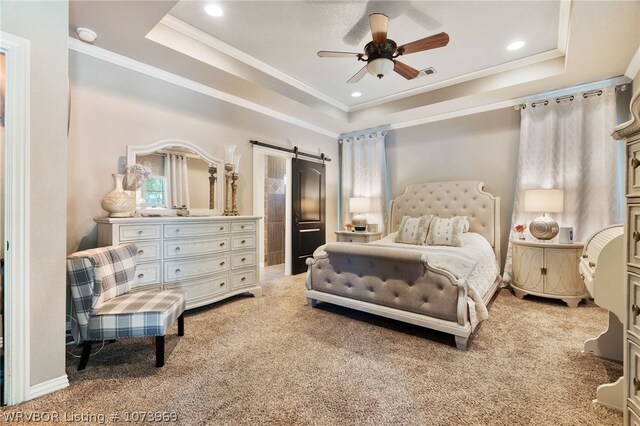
(359, 222)
(544, 228)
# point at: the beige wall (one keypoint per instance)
(46, 24)
(481, 146)
(112, 107)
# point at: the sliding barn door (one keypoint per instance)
(308, 205)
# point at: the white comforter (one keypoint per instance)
(475, 261)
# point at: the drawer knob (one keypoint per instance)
(221, 244)
(242, 227)
(636, 236)
(178, 230)
(221, 284)
(635, 309)
(140, 232)
(140, 251)
(177, 248)
(635, 163)
(222, 229)
(243, 279)
(222, 263)
(243, 241)
(178, 270)
(636, 384)
(140, 275)
(244, 259)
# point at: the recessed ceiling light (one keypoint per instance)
(515, 45)
(356, 94)
(213, 10)
(86, 35)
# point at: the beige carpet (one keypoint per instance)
(274, 360)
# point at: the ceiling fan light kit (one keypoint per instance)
(381, 52)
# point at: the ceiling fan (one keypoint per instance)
(380, 54)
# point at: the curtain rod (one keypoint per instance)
(293, 150)
(597, 92)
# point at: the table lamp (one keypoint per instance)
(359, 205)
(545, 201)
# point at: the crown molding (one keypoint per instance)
(132, 64)
(634, 65)
(207, 39)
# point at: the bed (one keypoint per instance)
(437, 287)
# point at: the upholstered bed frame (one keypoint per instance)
(400, 284)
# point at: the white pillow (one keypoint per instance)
(464, 220)
(446, 232)
(413, 230)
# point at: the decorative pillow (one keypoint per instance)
(445, 232)
(413, 230)
(464, 221)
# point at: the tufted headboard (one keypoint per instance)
(447, 199)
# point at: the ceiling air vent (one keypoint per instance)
(427, 71)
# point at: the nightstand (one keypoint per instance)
(548, 270)
(357, 237)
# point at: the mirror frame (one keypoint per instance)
(133, 151)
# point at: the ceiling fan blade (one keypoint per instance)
(431, 42)
(333, 54)
(379, 24)
(358, 76)
(405, 70)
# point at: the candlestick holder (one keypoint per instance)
(213, 179)
(234, 195)
(228, 197)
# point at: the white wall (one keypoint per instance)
(46, 25)
(476, 147)
(112, 107)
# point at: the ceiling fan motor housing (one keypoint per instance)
(380, 57)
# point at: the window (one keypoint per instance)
(154, 191)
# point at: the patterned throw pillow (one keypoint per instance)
(464, 223)
(413, 230)
(446, 232)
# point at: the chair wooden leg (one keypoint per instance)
(86, 351)
(159, 351)
(181, 325)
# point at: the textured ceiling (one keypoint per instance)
(287, 34)
(262, 55)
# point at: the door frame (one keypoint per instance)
(259, 154)
(16, 219)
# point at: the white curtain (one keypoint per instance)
(175, 170)
(364, 174)
(567, 145)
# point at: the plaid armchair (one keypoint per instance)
(103, 308)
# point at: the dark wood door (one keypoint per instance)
(308, 203)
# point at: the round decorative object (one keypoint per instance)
(359, 222)
(118, 202)
(544, 228)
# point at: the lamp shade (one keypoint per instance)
(544, 200)
(359, 205)
(380, 67)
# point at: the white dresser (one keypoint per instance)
(630, 131)
(210, 258)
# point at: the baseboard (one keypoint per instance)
(48, 386)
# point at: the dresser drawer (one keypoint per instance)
(633, 253)
(241, 260)
(140, 232)
(148, 273)
(243, 279)
(203, 291)
(177, 230)
(178, 270)
(633, 380)
(242, 242)
(149, 250)
(633, 169)
(633, 319)
(189, 247)
(243, 227)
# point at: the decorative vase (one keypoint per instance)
(118, 202)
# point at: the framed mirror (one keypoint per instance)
(182, 175)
